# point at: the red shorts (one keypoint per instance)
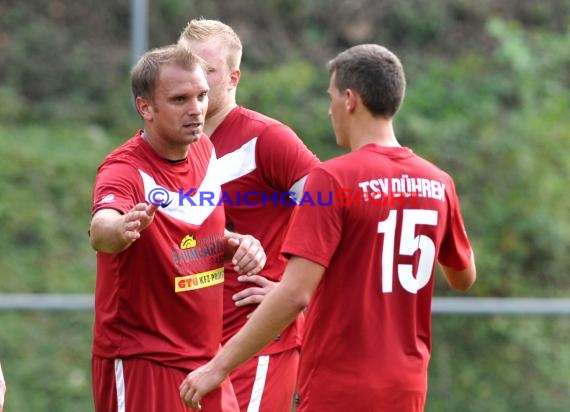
(136, 385)
(267, 383)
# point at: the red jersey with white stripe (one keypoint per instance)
(260, 159)
(161, 298)
(367, 334)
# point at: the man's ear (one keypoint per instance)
(234, 78)
(351, 100)
(144, 107)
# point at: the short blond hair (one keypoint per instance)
(201, 30)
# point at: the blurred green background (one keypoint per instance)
(488, 100)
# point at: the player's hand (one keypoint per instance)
(255, 294)
(137, 220)
(199, 383)
(248, 256)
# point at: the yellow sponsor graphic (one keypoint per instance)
(199, 280)
(188, 242)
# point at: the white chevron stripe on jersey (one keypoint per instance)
(238, 163)
(180, 208)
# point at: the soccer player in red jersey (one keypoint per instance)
(159, 288)
(365, 270)
(262, 161)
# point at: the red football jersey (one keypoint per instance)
(260, 159)
(377, 219)
(161, 298)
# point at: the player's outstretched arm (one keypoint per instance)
(113, 232)
(246, 253)
(461, 280)
(274, 314)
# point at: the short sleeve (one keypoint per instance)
(455, 250)
(315, 229)
(283, 157)
(116, 187)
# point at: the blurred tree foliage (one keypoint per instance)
(487, 100)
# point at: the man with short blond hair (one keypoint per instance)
(265, 159)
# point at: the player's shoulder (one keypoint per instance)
(133, 155)
(126, 153)
(264, 126)
(256, 117)
(357, 162)
(431, 168)
(342, 162)
(335, 167)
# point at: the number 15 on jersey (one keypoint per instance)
(409, 244)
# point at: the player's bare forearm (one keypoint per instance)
(112, 232)
(104, 232)
(276, 312)
(461, 280)
(273, 315)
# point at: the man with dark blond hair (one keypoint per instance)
(160, 258)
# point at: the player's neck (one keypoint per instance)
(378, 132)
(213, 120)
(172, 153)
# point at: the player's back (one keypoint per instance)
(367, 338)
